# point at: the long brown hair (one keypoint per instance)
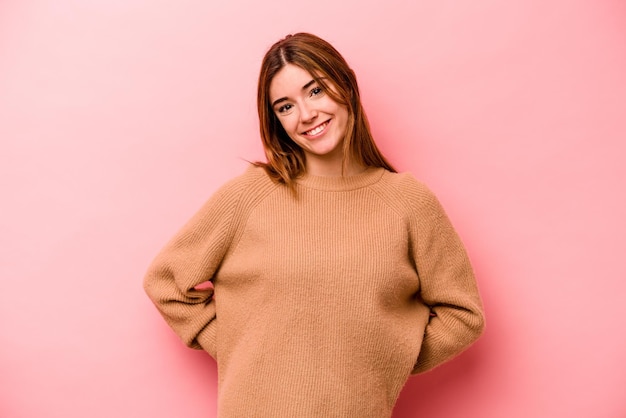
(285, 159)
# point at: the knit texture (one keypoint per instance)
(321, 302)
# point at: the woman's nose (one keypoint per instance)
(307, 113)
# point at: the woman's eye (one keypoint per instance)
(285, 108)
(316, 91)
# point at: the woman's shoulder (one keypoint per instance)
(405, 186)
(252, 177)
(409, 196)
(245, 189)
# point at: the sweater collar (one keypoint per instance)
(341, 183)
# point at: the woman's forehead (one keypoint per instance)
(292, 79)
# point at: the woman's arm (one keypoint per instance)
(190, 259)
(447, 284)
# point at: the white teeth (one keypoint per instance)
(317, 130)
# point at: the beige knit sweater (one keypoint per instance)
(321, 302)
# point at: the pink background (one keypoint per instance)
(119, 118)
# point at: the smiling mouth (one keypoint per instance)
(318, 129)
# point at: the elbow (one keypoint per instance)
(476, 323)
(151, 287)
(147, 285)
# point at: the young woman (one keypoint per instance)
(332, 277)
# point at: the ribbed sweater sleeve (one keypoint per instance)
(190, 258)
(447, 282)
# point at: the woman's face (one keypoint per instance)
(311, 118)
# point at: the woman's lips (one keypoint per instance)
(317, 130)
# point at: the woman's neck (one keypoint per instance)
(332, 168)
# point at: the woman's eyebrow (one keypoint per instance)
(282, 99)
